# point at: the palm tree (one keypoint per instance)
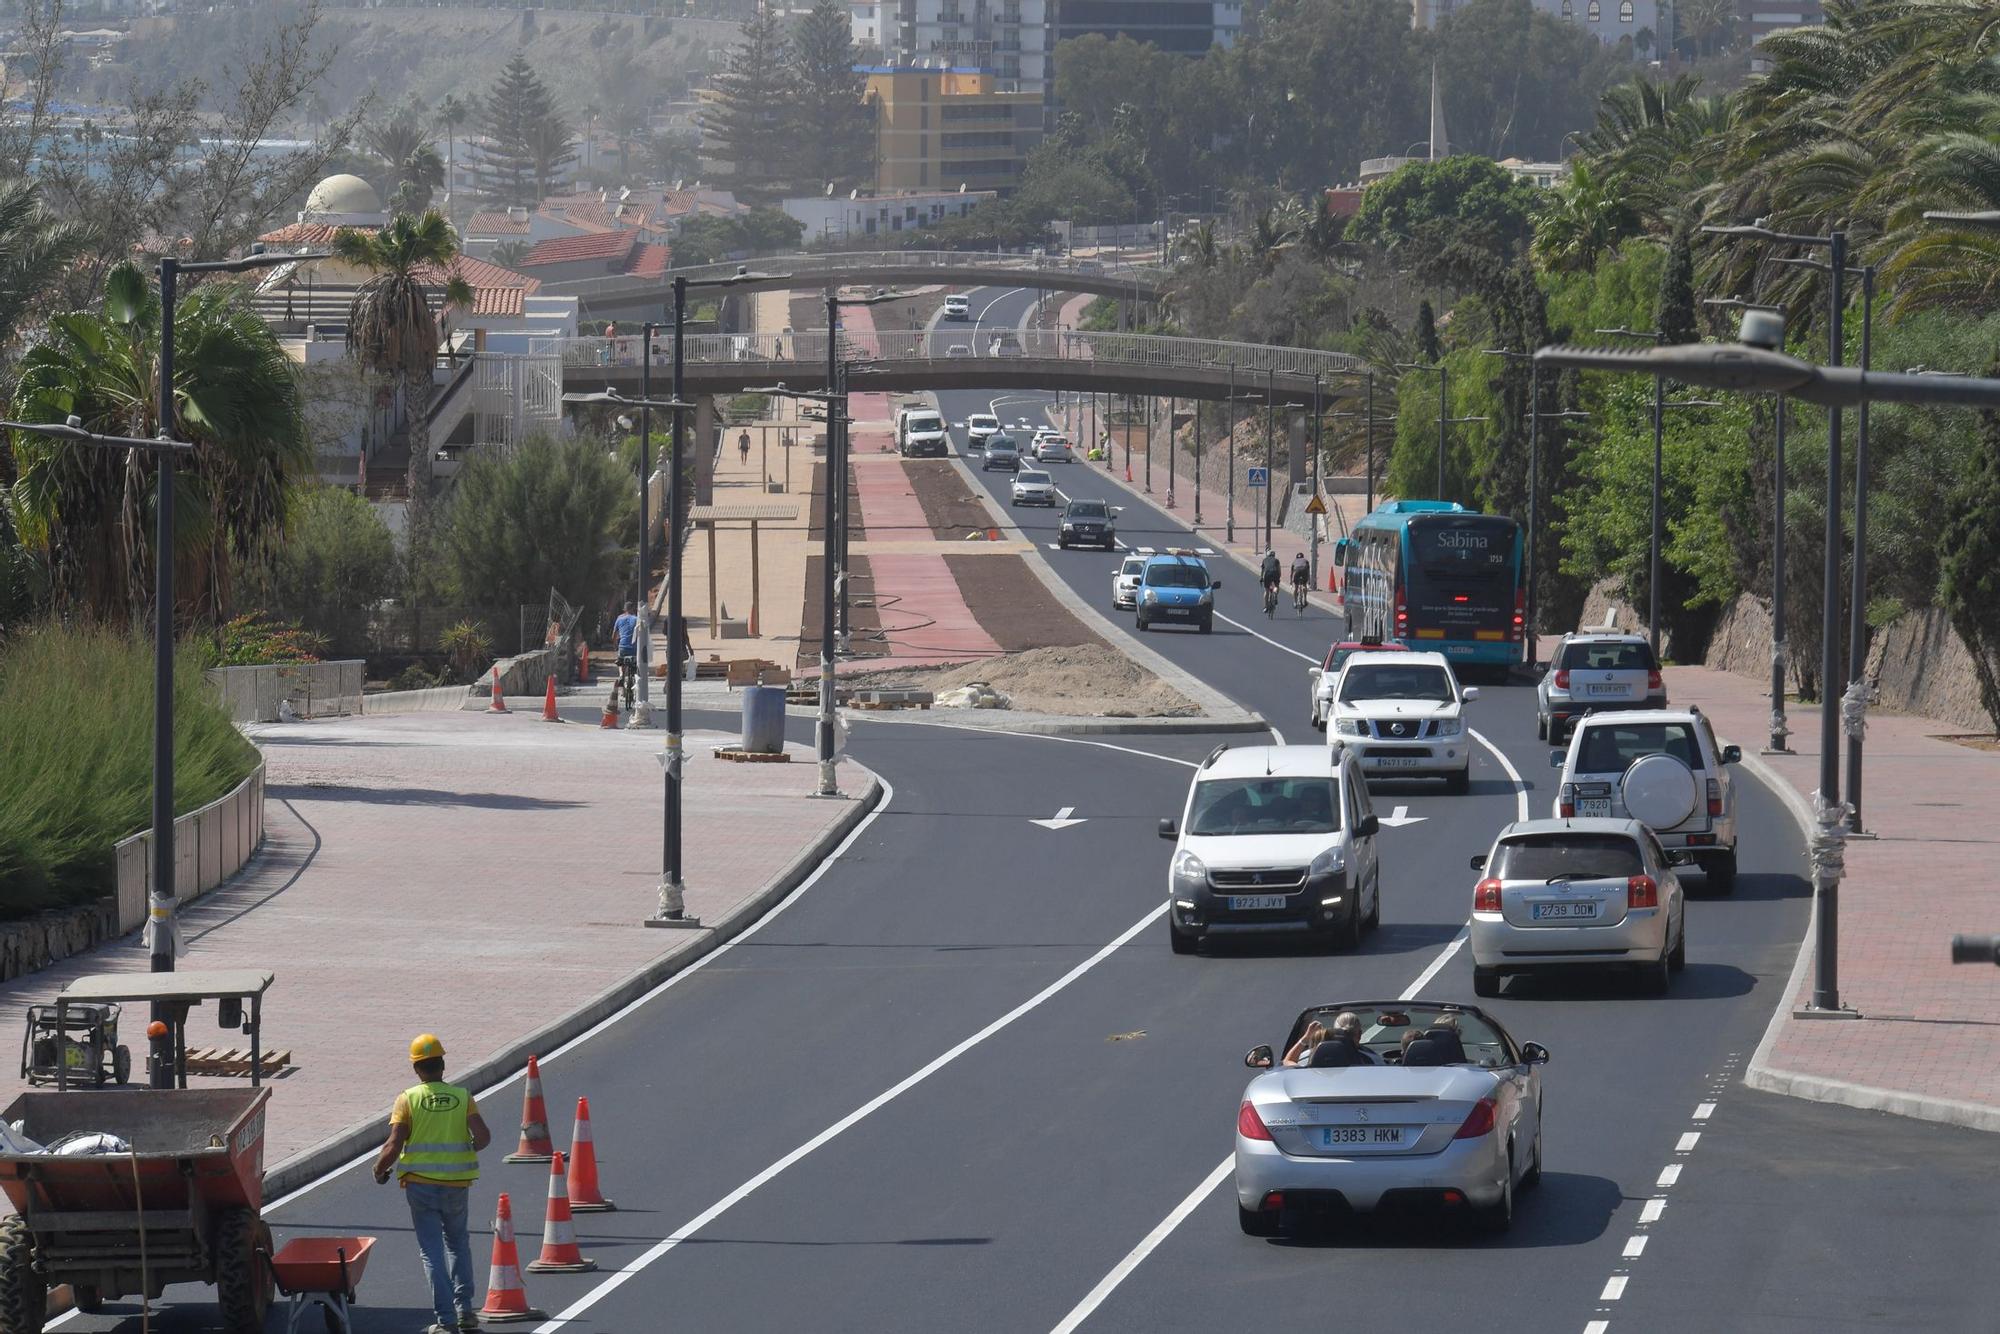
(390, 325)
(1581, 220)
(36, 248)
(509, 254)
(85, 511)
(393, 142)
(418, 177)
(1199, 247)
(452, 112)
(1272, 232)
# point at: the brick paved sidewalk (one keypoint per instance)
(1928, 1041)
(470, 875)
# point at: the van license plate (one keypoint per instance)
(1250, 902)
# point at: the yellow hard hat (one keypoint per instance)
(426, 1047)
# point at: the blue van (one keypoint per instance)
(1177, 588)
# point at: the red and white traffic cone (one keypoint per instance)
(560, 1253)
(499, 704)
(549, 703)
(536, 1147)
(585, 1195)
(506, 1298)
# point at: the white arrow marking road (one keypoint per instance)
(1402, 817)
(1062, 820)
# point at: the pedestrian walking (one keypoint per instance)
(743, 447)
(435, 1135)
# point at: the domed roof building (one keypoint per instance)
(344, 201)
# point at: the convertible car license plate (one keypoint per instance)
(1373, 1137)
(1247, 902)
(1545, 911)
(1398, 761)
(1594, 806)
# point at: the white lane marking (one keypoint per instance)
(1267, 639)
(1688, 1141)
(834, 1131)
(1402, 817)
(1149, 1243)
(1669, 1175)
(1597, 1327)
(1614, 1288)
(1513, 774)
(1277, 737)
(1062, 820)
(980, 318)
(1133, 1258)
(1650, 1212)
(1704, 1110)
(888, 796)
(1635, 1247)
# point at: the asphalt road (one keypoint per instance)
(960, 1082)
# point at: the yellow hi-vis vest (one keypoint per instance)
(440, 1144)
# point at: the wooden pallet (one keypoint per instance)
(230, 1061)
(751, 756)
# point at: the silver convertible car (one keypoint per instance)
(1438, 1108)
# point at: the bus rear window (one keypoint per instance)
(1474, 546)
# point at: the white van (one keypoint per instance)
(920, 432)
(957, 306)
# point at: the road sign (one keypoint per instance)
(1260, 477)
(1315, 506)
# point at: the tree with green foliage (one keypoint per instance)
(1580, 220)
(337, 555)
(1515, 80)
(525, 137)
(1969, 587)
(1472, 196)
(834, 139)
(558, 514)
(1674, 313)
(391, 327)
(1428, 347)
(749, 129)
(85, 513)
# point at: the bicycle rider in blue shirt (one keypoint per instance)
(627, 629)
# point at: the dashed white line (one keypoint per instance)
(1669, 1175)
(1650, 1212)
(1704, 1110)
(1597, 1327)
(1082, 1310)
(1687, 1142)
(1287, 648)
(1634, 1247)
(1614, 1288)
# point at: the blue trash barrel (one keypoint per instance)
(763, 719)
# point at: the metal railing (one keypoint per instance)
(838, 265)
(808, 348)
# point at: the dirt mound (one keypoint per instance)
(1085, 680)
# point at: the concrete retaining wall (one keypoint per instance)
(1923, 667)
(524, 674)
(314, 689)
(210, 845)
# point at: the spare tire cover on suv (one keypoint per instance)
(1659, 791)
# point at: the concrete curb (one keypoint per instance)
(1760, 1074)
(1044, 724)
(1222, 713)
(310, 1164)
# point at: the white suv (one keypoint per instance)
(1125, 583)
(978, 426)
(1403, 711)
(1276, 839)
(1661, 767)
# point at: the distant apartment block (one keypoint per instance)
(1611, 21)
(939, 129)
(862, 218)
(1009, 39)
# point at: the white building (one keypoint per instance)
(861, 217)
(1612, 20)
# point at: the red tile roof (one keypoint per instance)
(303, 234)
(649, 260)
(495, 291)
(609, 246)
(495, 224)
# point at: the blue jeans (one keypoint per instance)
(444, 1240)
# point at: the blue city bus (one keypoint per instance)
(1438, 577)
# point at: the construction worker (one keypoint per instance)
(435, 1135)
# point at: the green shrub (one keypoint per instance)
(251, 640)
(415, 677)
(76, 757)
(470, 647)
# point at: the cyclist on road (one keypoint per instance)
(627, 629)
(1301, 579)
(1269, 577)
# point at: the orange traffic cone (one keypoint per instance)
(499, 704)
(583, 664)
(560, 1253)
(506, 1299)
(549, 703)
(1128, 470)
(536, 1147)
(610, 718)
(585, 1196)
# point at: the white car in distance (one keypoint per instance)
(1032, 487)
(978, 426)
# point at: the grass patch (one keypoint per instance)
(76, 759)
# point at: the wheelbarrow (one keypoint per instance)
(322, 1272)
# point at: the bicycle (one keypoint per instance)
(1271, 598)
(1299, 597)
(628, 676)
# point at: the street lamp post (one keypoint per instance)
(1312, 521)
(160, 929)
(1656, 531)
(1444, 411)
(1270, 447)
(1753, 367)
(1229, 519)
(1778, 730)
(1535, 418)
(642, 708)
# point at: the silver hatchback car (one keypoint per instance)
(1558, 894)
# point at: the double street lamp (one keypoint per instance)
(1762, 369)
